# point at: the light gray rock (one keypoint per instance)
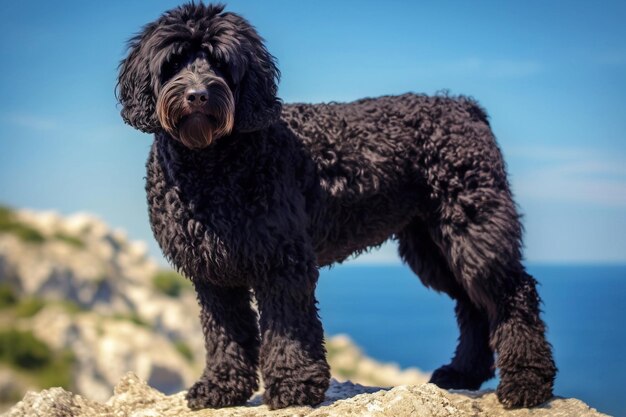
(348, 362)
(106, 348)
(84, 262)
(103, 271)
(134, 398)
(56, 402)
(79, 260)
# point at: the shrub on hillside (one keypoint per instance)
(23, 349)
(170, 283)
(10, 224)
(31, 356)
(7, 296)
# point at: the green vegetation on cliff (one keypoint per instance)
(70, 240)
(26, 354)
(184, 349)
(170, 283)
(10, 224)
(15, 307)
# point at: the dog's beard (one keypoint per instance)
(196, 128)
(196, 131)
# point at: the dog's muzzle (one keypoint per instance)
(196, 109)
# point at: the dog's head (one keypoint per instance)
(198, 74)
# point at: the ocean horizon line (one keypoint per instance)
(528, 264)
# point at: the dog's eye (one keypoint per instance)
(224, 70)
(171, 68)
(175, 65)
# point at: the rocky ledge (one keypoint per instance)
(133, 397)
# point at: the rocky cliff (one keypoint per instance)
(77, 286)
(134, 397)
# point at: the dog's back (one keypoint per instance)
(371, 160)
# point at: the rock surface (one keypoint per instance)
(118, 320)
(134, 398)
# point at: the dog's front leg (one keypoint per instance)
(231, 337)
(293, 358)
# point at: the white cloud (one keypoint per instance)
(549, 153)
(478, 67)
(608, 57)
(32, 121)
(572, 175)
(493, 68)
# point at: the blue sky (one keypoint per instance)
(552, 76)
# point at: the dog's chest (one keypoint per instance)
(217, 215)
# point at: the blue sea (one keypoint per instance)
(387, 311)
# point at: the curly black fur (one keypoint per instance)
(258, 206)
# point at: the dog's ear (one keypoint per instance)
(257, 105)
(134, 87)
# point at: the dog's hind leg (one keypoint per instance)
(231, 335)
(480, 237)
(473, 361)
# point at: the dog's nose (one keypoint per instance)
(196, 97)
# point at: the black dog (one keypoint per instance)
(247, 200)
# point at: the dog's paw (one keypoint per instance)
(447, 377)
(204, 394)
(289, 393)
(526, 387)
